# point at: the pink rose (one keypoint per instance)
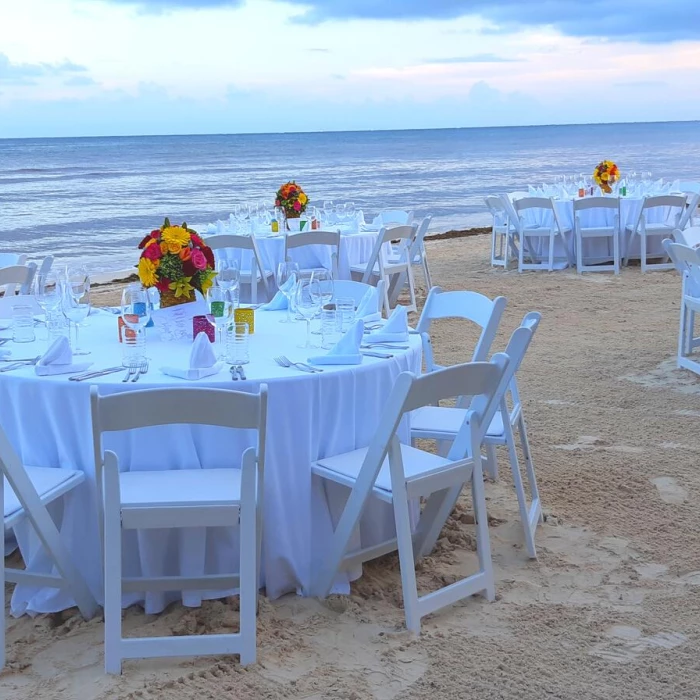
(199, 260)
(297, 206)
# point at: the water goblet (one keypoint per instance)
(219, 310)
(327, 211)
(324, 278)
(308, 303)
(75, 304)
(287, 278)
(47, 292)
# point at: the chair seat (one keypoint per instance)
(179, 488)
(48, 482)
(447, 420)
(345, 468)
(653, 229)
(246, 275)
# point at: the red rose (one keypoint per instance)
(209, 255)
(188, 268)
(163, 285)
(196, 239)
(143, 242)
(153, 252)
(156, 233)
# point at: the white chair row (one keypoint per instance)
(515, 236)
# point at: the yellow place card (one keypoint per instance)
(245, 316)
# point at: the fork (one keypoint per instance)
(129, 372)
(283, 361)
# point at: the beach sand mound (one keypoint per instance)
(609, 610)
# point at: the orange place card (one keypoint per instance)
(245, 316)
(127, 332)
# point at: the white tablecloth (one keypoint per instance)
(599, 249)
(309, 417)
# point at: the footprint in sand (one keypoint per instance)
(591, 442)
(670, 491)
(625, 644)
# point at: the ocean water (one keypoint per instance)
(93, 199)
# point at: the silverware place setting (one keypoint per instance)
(386, 344)
(94, 374)
(237, 372)
(380, 355)
(283, 361)
(134, 370)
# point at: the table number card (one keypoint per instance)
(175, 322)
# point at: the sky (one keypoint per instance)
(118, 67)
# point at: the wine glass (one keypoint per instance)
(47, 291)
(227, 276)
(327, 211)
(286, 278)
(324, 278)
(308, 299)
(77, 276)
(75, 304)
(350, 210)
(219, 310)
(340, 212)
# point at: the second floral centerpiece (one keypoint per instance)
(292, 200)
(176, 261)
(605, 175)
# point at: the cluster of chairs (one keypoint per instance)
(17, 276)
(400, 246)
(514, 236)
(487, 411)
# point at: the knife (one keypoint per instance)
(95, 374)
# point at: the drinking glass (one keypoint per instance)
(136, 313)
(236, 213)
(218, 314)
(228, 276)
(329, 328)
(75, 304)
(47, 292)
(77, 276)
(327, 210)
(350, 211)
(324, 278)
(22, 324)
(237, 341)
(286, 278)
(308, 298)
(345, 313)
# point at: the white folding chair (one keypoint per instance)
(396, 473)
(692, 189)
(9, 259)
(389, 218)
(443, 423)
(257, 272)
(417, 254)
(471, 306)
(378, 266)
(670, 209)
(691, 209)
(327, 238)
(604, 207)
(25, 492)
(133, 500)
(547, 230)
(689, 236)
(503, 233)
(687, 261)
(16, 276)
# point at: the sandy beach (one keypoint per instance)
(609, 610)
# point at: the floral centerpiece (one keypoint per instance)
(606, 174)
(292, 199)
(176, 261)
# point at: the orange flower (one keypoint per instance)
(173, 247)
(164, 248)
(185, 254)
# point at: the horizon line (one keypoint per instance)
(349, 131)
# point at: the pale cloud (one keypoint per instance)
(30, 73)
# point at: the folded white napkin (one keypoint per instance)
(211, 228)
(202, 361)
(367, 308)
(58, 359)
(394, 330)
(346, 351)
(279, 301)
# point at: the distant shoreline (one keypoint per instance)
(102, 279)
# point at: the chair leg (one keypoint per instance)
(616, 252)
(113, 584)
(426, 273)
(643, 248)
(491, 462)
(248, 582)
(406, 560)
(483, 543)
(520, 492)
(521, 252)
(579, 252)
(2, 590)
(551, 252)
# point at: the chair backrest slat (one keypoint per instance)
(689, 236)
(687, 261)
(596, 203)
(15, 274)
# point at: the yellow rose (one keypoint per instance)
(303, 199)
(147, 272)
(175, 234)
(173, 247)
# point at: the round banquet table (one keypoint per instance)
(355, 249)
(599, 249)
(310, 416)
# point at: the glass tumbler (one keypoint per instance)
(345, 313)
(330, 334)
(22, 324)
(237, 344)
